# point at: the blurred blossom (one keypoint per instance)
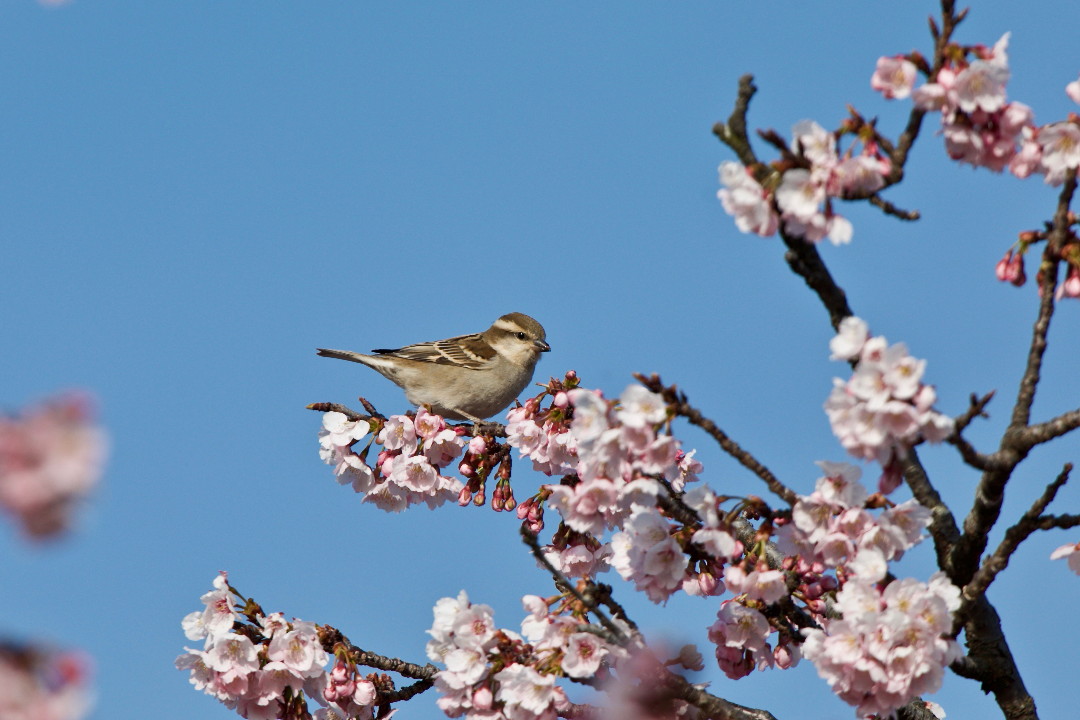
(42, 683)
(51, 457)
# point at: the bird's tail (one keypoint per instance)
(342, 355)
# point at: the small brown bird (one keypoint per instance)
(469, 377)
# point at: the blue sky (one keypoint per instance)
(195, 195)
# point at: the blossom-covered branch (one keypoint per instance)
(680, 404)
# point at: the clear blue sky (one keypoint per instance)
(195, 195)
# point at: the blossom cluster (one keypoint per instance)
(621, 464)
(51, 458)
(254, 670)
(43, 683)
(741, 635)
(890, 643)
(802, 199)
(980, 126)
(407, 471)
(542, 435)
(832, 527)
(498, 674)
(884, 408)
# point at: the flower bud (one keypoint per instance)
(482, 698)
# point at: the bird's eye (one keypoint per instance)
(521, 336)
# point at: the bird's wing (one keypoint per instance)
(465, 351)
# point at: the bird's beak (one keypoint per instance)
(541, 345)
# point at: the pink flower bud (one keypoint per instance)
(536, 514)
(365, 693)
(479, 498)
(784, 657)
(524, 508)
(1071, 286)
(1001, 270)
(477, 445)
(464, 497)
(482, 698)
(690, 658)
(561, 400)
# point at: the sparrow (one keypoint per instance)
(469, 377)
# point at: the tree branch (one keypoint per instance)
(733, 133)
(1014, 447)
(1024, 527)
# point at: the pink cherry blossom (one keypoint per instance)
(894, 77)
(51, 458)
(526, 693)
(981, 86)
(1073, 91)
(1071, 552)
(1060, 145)
(745, 200)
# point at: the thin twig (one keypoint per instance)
(733, 133)
(1014, 446)
(889, 209)
(325, 407)
(564, 583)
(1024, 527)
(679, 403)
(1047, 431)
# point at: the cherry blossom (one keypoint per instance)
(1060, 146)
(51, 459)
(889, 646)
(894, 77)
(252, 677)
(407, 471)
(42, 682)
(746, 200)
(1073, 91)
(1071, 553)
(884, 408)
